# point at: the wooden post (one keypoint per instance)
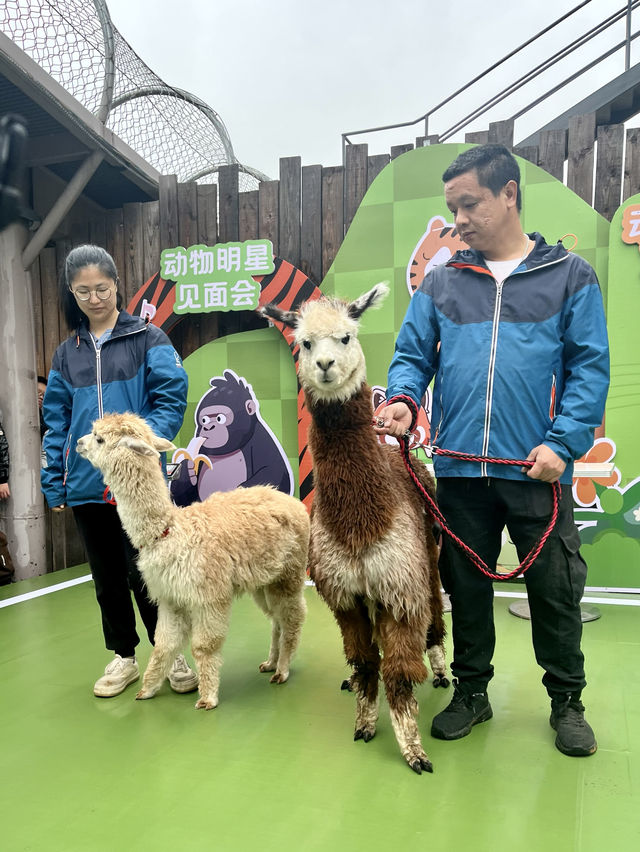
(248, 215)
(609, 169)
(289, 206)
(150, 239)
(168, 211)
(477, 137)
(355, 180)
(228, 202)
(552, 152)
(527, 152)
(397, 150)
(631, 185)
(332, 214)
(131, 274)
(311, 234)
(207, 214)
(501, 133)
(375, 165)
(582, 134)
(268, 212)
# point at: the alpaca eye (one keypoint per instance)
(99, 440)
(345, 339)
(306, 344)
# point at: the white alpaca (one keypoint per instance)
(373, 555)
(194, 560)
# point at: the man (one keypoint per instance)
(514, 332)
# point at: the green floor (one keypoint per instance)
(275, 767)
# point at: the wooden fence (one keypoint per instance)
(305, 213)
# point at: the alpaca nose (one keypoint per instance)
(324, 365)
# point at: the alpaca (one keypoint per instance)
(372, 556)
(194, 560)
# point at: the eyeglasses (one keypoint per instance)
(84, 294)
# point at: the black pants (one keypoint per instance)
(112, 559)
(477, 510)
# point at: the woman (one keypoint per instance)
(113, 362)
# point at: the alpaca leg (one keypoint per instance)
(402, 666)
(436, 631)
(289, 615)
(171, 634)
(209, 632)
(363, 655)
(269, 665)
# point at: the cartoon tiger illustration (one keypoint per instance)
(437, 245)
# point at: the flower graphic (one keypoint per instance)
(584, 487)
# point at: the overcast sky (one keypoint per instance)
(288, 77)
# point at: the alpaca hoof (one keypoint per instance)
(365, 734)
(267, 666)
(347, 685)
(203, 704)
(441, 680)
(279, 677)
(144, 693)
(421, 763)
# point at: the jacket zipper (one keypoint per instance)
(99, 364)
(492, 363)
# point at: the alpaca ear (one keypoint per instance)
(162, 445)
(138, 446)
(370, 299)
(289, 318)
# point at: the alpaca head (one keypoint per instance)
(117, 440)
(331, 363)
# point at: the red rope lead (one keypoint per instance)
(530, 558)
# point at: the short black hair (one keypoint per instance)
(495, 166)
(77, 259)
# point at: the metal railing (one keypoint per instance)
(518, 84)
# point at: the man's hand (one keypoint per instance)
(548, 466)
(5, 492)
(393, 420)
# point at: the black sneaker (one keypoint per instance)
(465, 710)
(575, 735)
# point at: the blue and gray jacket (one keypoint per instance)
(136, 369)
(519, 364)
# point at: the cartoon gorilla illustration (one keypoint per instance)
(232, 446)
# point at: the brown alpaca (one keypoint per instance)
(372, 555)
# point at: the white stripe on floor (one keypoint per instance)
(39, 592)
(46, 591)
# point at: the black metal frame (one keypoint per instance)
(526, 78)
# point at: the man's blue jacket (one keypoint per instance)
(516, 365)
(136, 369)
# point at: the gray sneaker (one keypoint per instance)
(181, 677)
(575, 736)
(117, 676)
(465, 710)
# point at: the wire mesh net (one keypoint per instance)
(75, 42)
